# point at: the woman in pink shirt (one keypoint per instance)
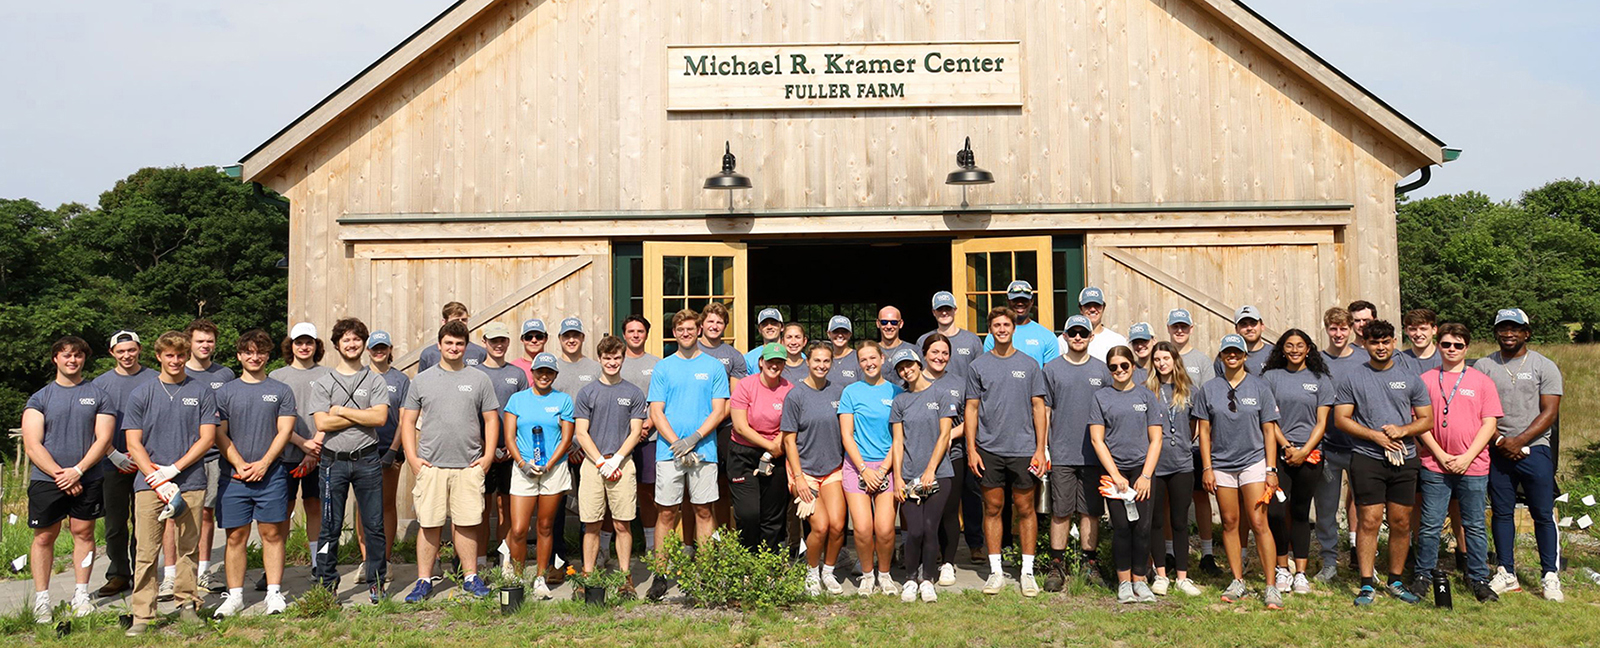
(757, 471)
(1456, 464)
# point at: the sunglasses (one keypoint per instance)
(533, 336)
(1077, 333)
(1233, 405)
(1452, 345)
(1120, 366)
(885, 322)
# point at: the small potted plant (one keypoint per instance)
(592, 587)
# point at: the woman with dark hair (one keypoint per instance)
(1303, 388)
(814, 451)
(1125, 427)
(921, 418)
(964, 493)
(793, 339)
(1174, 479)
(869, 492)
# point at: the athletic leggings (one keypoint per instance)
(950, 528)
(1130, 541)
(1174, 491)
(1291, 521)
(922, 530)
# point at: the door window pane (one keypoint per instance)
(699, 276)
(672, 275)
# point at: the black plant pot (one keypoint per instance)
(594, 595)
(511, 599)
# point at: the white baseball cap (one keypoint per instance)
(303, 329)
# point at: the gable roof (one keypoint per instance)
(1246, 22)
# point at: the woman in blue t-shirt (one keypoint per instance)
(543, 420)
(1125, 428)
(869, 490)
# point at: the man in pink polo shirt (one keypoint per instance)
(1456, 464)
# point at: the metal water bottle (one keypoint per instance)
(1441, 590)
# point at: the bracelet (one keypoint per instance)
(1143, 477)
(80, 471)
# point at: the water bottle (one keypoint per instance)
(536, 453)
(1441, 590)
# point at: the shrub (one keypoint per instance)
(720, 572)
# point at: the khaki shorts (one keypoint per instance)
(672, 481)
(596, 494)
(453, 493)
(555, 481)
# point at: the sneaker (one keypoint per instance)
(868, 586)
(1482, 591)
(1328, 573)
(1421, 584)
(1160, 585)
(41, 610)
(1551, 583)
(813, 583)
(1301, 584)
(908, 592)
(832, 584)
(1397, 589)
(886, 585)
(169, 586)
(1283, 579)
(995, 584)
(1030, 585)
(978, 556)
(211, 584)
(374, 593)
(1365, 596)
(1125, 593)
(231, 605)
(947, 574)
(475, 586)
(1208, 566)
(421, 591)
(657, 591)
(188, 614)
(541, 588)
(81, 605)
(261, 583)
(1235, 592)
(1141, 590)
(1273, 598)
(275, 603)
(1056, 576)
(929, 594)
(1188, 587)
(138, 628)
(1504, 581)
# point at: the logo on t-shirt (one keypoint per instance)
(1310, 387)
(552, 410)
(1247, 401)
(472, 363)
(361, 392)
(216, 385)
(933, 406)
(1397, 384)
(625, 402)
(1019, 374)
(464, 388)
(510, 381)
(86, 401)
(963, 351)
(269, 398)
(887, 401)
(833, 404)
(848, 373)
(1097, 382)
(724, 361)
(777, 407)
(581, 378)
(191, 402)
(702, 376)
(392, 389)
(1141, 407)
(1030, 342)
(1469, 393)
(1524, 376)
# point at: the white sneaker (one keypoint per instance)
(1030, 585)
(540, 588)
(832, 584)
(1187, 587)
(1159, 585)
(1284, 580)
(1552, 587)
(275, 603)
(168, 589)
(1141, 591)
(929, 594)
(231, 605)
(908, 592)
(81, 605)
(41, 609)
(869, 584)
(1301, 585)
(947, 574)
(813, 584)
(886, 585)
(996, 583)
(1504, 581)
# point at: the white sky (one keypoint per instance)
(97, 89)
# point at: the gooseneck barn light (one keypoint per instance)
(967, 172)
(727, 180)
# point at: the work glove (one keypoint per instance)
(610, 468)
(123, 463)
(167, 491)
(162, 475)
(684, 445)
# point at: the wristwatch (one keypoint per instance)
(1271, 469)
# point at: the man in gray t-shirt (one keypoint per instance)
(448, 405)
(965, 346)
(349, 403)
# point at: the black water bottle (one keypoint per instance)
(1441, 590)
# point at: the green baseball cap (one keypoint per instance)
(773, 351)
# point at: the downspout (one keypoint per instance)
(1402, 189)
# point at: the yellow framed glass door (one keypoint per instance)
(983, 267)
(691, 274)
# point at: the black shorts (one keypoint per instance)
(47, 505)
(1000, 472)
(1376, 481)
(497, 480)
(307, 487)
(1075, 490)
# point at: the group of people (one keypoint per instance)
(953, 436)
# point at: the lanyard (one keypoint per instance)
(1444, 420)
(349, 394)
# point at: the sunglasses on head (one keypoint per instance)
(1452, 345)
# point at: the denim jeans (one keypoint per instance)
(1536, 474)
(365, 477)
(1437, 490)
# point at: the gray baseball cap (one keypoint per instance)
(377, 338)
(1019, 289)
(1091, 295)
(838, 322)
(1140, 331)
(905, 353)
(1078, 321)
(1246, 312)
(544, 361)
(571, 325)
(1179, 316)
(943, 299)
(534, 325)
(1233, 341)
(1513, 315)
(769, 314)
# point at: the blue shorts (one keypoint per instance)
(240, 502)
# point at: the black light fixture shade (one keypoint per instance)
(727, 179)
(967, 171)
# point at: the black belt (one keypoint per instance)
(352, 456)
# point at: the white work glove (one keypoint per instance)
(501, 454)
(162, 475)
(167, 491)
(610, 467)
(123, 463)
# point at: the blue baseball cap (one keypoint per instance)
(838, 322)
(377, 338)
(943, 299)
(1513, 315)
(571, 325)
(1233, 341)
(1019, 289)
(1091, 295)
(767, 314)
(1179, 316)
(545, 361)
(1140, 331)
(905, 353)
(534, 325)
(1078, 321)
